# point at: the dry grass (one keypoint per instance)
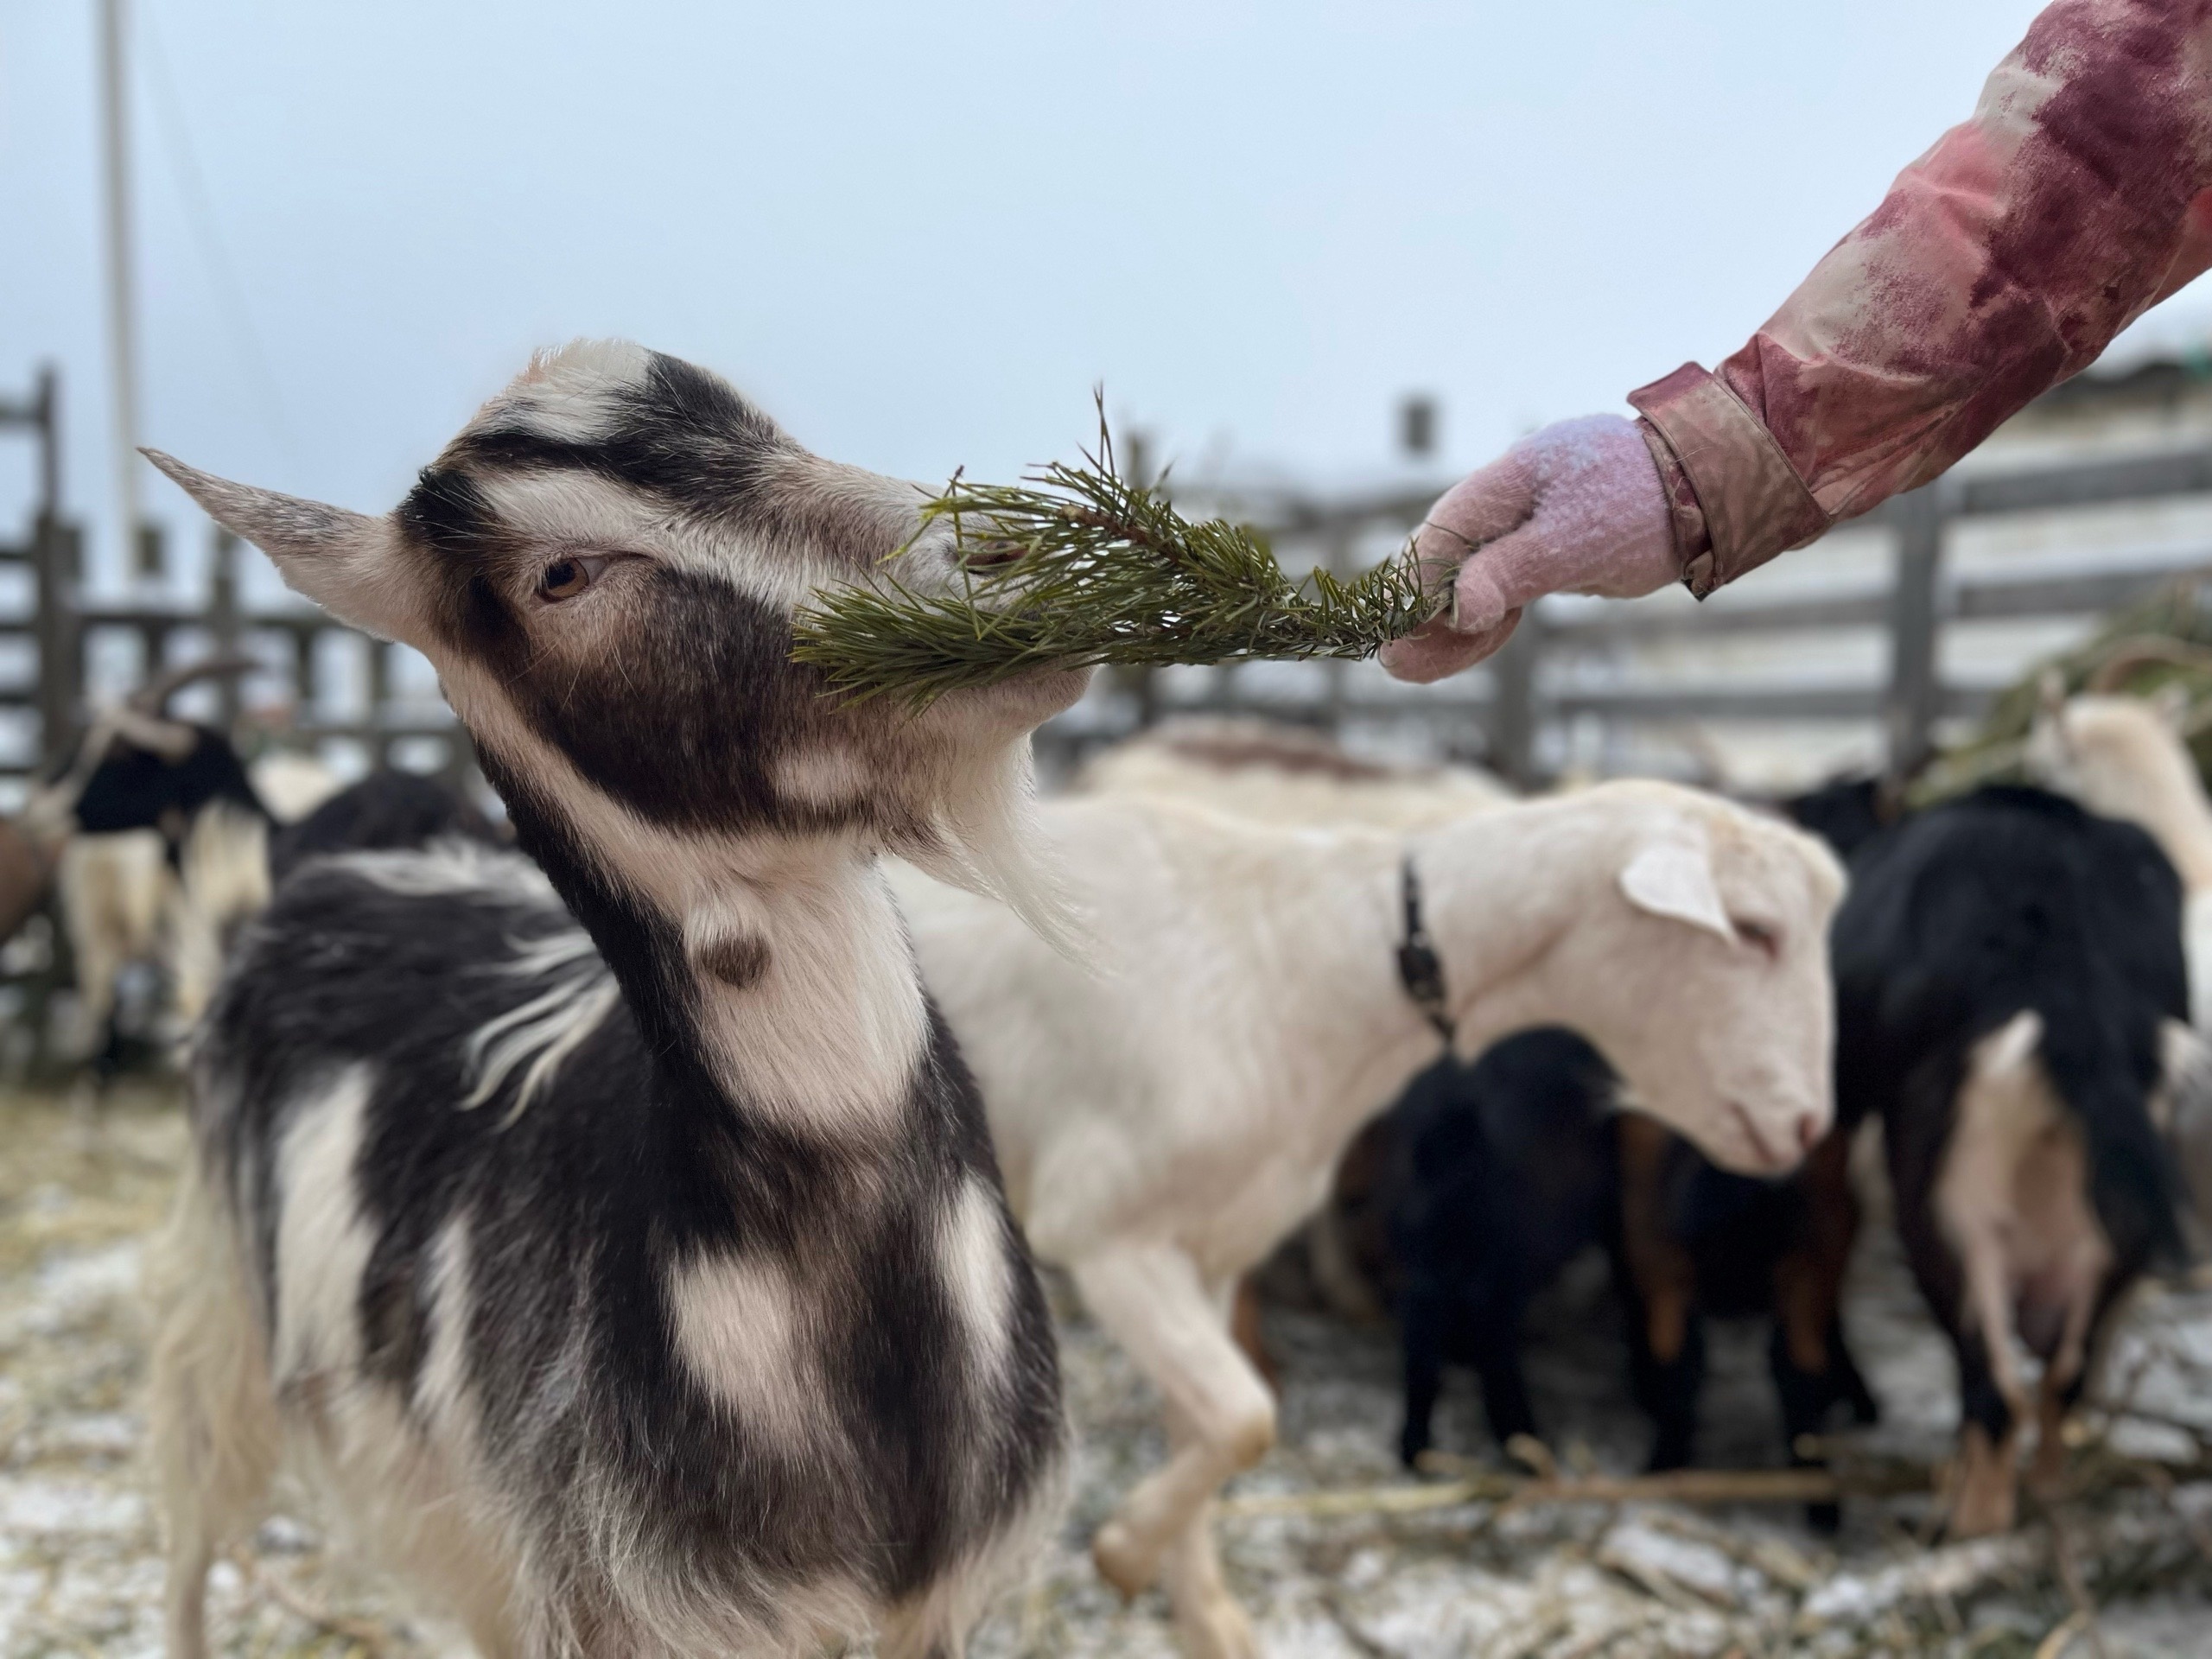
(1331, 1579)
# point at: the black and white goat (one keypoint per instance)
(2005, 966)
(621, 1245)
(161, 850)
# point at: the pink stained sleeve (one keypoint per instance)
(2001, 262)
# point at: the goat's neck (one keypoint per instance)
(1360, 1035)
(2167, 800)
(1500, 887)
(773, 970)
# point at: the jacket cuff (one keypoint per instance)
(1751, 501)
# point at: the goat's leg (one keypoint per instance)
(1207, 1617)
(1496, 1345)
(213, 1421)
(1811, 1366)
(1153, 1301)
(1984, 1485)
(1424, 1312)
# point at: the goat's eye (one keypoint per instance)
(565, 578)
(1767, 940)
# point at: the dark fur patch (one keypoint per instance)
(136, 789)
(738, 960)
(682, 436)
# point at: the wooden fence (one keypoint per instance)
(50, 633)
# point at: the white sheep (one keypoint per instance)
(1161, 1128)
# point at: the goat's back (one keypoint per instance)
(2007, 901)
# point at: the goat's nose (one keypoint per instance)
(1811, 1126)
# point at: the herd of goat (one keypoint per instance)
(633, 1230)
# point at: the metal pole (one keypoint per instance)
(121, 331)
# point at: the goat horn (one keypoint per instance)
(173, 740)
(2145, 651)
(153, 697)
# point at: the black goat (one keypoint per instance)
(1696, 1240)
(385, 811)
(2006, 966)
(1505, 1171)
(135, 787)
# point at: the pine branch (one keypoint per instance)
(1077, 567)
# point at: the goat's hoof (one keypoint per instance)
(1982, 1509)
(2047, 1473)
(1216, 1628)
(1121, 1561)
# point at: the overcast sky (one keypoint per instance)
(918, 234)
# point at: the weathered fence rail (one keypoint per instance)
(52, 628)
(1565, 665)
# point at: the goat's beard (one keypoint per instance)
(984, 838)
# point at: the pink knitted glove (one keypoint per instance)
(1576, 508)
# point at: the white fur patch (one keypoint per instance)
(322, 1242)
(536, 1036)
(740, 1329)
(441, 1386)
(978, 1274)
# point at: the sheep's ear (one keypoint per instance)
(347, 563)
(1674, 878)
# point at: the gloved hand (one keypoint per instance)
(1575, 508)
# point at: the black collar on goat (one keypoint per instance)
(1421, 970)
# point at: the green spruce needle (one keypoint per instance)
(1078, 566)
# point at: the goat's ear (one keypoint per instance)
(347, 563)
(2172, 701)
(2050, 693)
(1674, 878)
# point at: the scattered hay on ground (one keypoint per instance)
(80, 1567)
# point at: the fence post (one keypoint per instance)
(1513, 712)
(379, 741)
(1916, 692)
(54, 555)
(223, 623)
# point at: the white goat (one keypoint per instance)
(1275, 773)
(1163, 1129)
(629, 1267)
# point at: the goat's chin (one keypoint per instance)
(1026, 701)
(1731, 1139)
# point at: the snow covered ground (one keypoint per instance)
(79, 1571)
